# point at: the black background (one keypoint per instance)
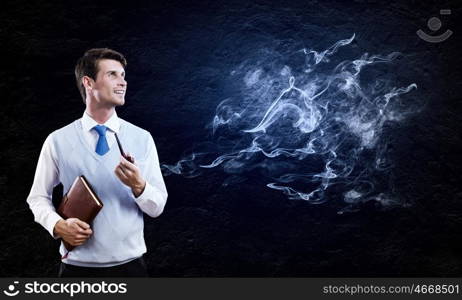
(178, 53)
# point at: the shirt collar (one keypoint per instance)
(112, 124)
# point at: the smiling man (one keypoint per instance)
(113, 245)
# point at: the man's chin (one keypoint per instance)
(119, 102)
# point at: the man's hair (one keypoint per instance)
(87, 65)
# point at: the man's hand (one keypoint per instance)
(130, 175)
(73, 231)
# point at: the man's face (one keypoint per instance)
(110, 86)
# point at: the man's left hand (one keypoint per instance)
(130, 175)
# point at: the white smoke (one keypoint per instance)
(305, 127)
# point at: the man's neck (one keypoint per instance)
(100, 115)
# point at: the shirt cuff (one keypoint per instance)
(148, 190)
(146, 201)
(53, 218)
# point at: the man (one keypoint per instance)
(114, 243)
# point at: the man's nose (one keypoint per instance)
(122, 82)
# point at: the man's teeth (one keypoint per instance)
(119, 92)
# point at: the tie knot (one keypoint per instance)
(101, 129)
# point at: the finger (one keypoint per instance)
(127, 172)
(118, 169)
(81, 237)
(127, 164)
(121, 167)
(74, 242)
(123, 161)
(77, 227)
(82, 224)
(120, 173)
(130, 158)
(120, 178)
(82, 232)
(88, 231)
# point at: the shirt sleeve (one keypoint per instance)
(152, 200)
(45, 179)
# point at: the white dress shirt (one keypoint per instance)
(151, 201)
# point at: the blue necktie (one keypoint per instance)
(101, 147)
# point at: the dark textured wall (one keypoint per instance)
(178, 56)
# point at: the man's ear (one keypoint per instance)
(88, 82)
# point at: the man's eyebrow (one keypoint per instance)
(114, 71)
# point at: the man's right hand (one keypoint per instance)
(73, 231)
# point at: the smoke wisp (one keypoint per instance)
(303, 122)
